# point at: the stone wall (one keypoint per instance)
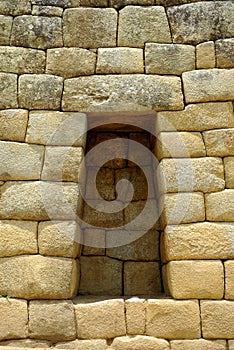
(64, 63)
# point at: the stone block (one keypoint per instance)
(60, 3)
(205, 55)
(18, 237)
(139, 342)
(97, 344)
(20, 161)
(24, 343)
(70, 62)
(169, 58)
(15, 8)
(217, 319)
(104, 183)
(13, 124)
(8, 98)
(94, 242)
(40, 91)
(142, 156)
(14, 318)
(173, 319)
(229, 279)
(87, 3)
(208, 85)
(135, 315)
(122, 93)
(220, 206)
(99, 30)
(37, 32)
(142, 215)
(122, 3)
(38, 277)
(100, 319)
(224, 53)
(231, 344)
(52, 320)
(219, 143)
(229, 171)
(50, 11)
(5, 29)
(120, 60)
(199, 344)
(139, 25)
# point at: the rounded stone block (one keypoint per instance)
(224, 52)
(8, 97)
(139, 342)
(220, 206)
(199, 344)
(13, 124)
(219, 143)
(5, 29)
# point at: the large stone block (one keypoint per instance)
(219, 143)
(199, 344)
(224, 52)
(139, 25)
(205, 55)
(15, 8)
(229, 171)
(229, 279)
(50, 11)
(125, 93)
(105, 182)
(135, 315)
(5, 29)
(139, 342)
(220, 206)
(13, 124)
(38, 277)
(24, 343)
(208, 85)
(8, 97)
(97, 344)
(122, 3)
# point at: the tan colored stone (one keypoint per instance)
(169, 58)
(139, 342)
(122, 93)
(5, 29)
(59, 238)
(138, 25)
(37, 32)
(142, 215)
(219, 143)
(224, 53)
(60, 3)
(217, 320)
(100, 319)
(208, 85)
(205, 55)
(100, 276)
(229, 279)
(231, 344)
(38, 277)
(8, 97)
(172, 319)
(14, 318)
(18, 237)
(13, 124)
(70, 62)
(87, 3)
(104, 185)
(120, 60)
(24, 343)
(94, 242)
(52, 320)
(122, 3)
(40, 91)
(20, 161)
(229, 171)
(199, 344)
(49, 11)
(135, 316)
(220, 206)
(15, 8)
(97, 344)
(99, 29)
(195, 279)
(142, 156)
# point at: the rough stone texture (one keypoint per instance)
(231, 344)
(38, 277)
(208, 85)
(97, 344)
(120, 60)
(20, 161)
(5, 29)
(219, 143)
(60, 3)
(135, 315)
(21, 60)
(195, 279)
(90, 28)
(205, 55)
(139, 342)
(202, 21)
(87, 3)
(59, 238)
(171, 319)
(100, 276)
(14, 318)
(104, 183)
(122, 93)
(144, 158)
(40, 91)
(199, 344)
(37, 32)
(224, 53)
(198, 241)
(137, 221)
(217, 320)
(47, 11)
(15, 8)
(103, 319)
(13, 124)
(169, 58)
(229, 171)
(138, 25)
(18, 237)
(220, 206)
(94, 242)
(8, 97)
(122, 3)
(229, 279)
(70, 62)
(24, 343)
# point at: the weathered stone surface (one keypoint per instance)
(18, 237)
(87, 3)
(70, 62)
(229, 171)
(202, 21)
(47, 11)
(24, 343)
(13, 124)
(42, 91)
(197, 117)
(100, 276)
(105, 183)
(59, 238)
(38, 277)
(99, 29)
(100, 319)
(94, 242)
(205, 55)
(199, 344)
(120, 60)
(139, 342)
(208, 85)
(217, 320)
(122, 3)
(125, 93)
(8, 97)
(169, 58)
(37, 32)
(224, 53)
(219, 143)
(60, 3)
(57, 128)
(220, 206)
(144, 158)
(136, 220)
(15, 8)
(135, 315)
(97, 344)
(138, 25)
(14, 318)
(174, 2)
(96, 214)
(229, 279)
(173, 319)
(5, 29)
(195, 279)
